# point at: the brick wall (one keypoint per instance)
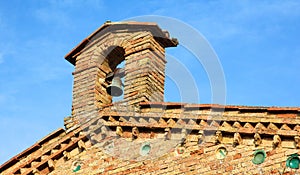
(195, 160)
(143, 52)
(58, 152)
(195, 157)
(105, 138)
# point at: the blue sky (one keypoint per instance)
(257, 43)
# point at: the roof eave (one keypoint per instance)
(71, 56)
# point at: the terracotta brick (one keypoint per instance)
(144, 55)
(237, 156)
(286, 115)
(229, 168)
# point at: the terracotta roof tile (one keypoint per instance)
(226, 107)
(285, 114)
(153, 27)
(284, 109)
(30, 150)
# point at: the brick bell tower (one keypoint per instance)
(141, 45)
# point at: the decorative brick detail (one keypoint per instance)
(197, 130)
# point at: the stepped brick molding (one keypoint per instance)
(56, 153)
(144, 135)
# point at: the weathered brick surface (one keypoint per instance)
(197, 158)
(144, 67)
(106, 138)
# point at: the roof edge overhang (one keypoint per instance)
(157, 32)
(166, 105)
(269, 109)
(30, 150)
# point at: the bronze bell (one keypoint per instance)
(115, 88)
